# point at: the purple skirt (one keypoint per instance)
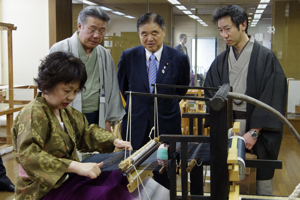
(110, 185)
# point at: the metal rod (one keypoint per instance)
(185, 87)
(265, 107)
(168, 96)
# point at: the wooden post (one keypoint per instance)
(9, 116)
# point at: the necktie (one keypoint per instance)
(152, 72)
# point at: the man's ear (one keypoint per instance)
(165, 29)
(79, 27)
(244, 25)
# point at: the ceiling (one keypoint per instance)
(203, 7)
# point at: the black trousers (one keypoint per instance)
(4, 180)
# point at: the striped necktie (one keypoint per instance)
(152, 72)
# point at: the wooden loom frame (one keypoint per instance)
(10, 111)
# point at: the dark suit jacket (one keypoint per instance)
(179, 47)
(133, 76)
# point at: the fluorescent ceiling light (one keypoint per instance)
(255, 20)
(194, 16)
(202, 22)
(252, 25)
(181, 7)
(130, 17)
(199, 20)
(77, 1)
(257, 16)
(262, 6)
(259, 11)
(193, 8)
(174, 2)
(89, 3)
(250, 13)
(187, 12)
(205, 25)
(264, 1)
(249, 17)
(105, 8)
(118, 13)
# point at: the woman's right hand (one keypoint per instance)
(91, 170)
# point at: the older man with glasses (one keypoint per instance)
(100, 101)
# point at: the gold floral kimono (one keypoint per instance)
(44, 150)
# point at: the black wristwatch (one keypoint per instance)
(254, 133)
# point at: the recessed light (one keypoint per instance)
(259, 11)
(264, 1)
(262, 6)
(118, 13)
(257, 16)
(174, 2)
(187, 12)
(181, 7)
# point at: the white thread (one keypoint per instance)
(155, 117)
(152, 129)
(128, 123)
(199, 164)
(296, 193)
(156, 113)
(139, 179)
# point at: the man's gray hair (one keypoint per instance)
(92, 11)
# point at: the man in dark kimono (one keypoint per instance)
(253, 70)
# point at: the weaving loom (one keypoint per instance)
(226, 165)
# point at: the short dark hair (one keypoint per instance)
(182, 36)
(60, 67)
(150, 17)
(92, 11)
(237, 14)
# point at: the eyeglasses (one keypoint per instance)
(93, 31)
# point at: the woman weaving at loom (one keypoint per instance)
(47, 132)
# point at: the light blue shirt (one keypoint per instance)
(157, 55)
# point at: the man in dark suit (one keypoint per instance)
(171, 67)
(181, 47)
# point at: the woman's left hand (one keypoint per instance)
(120, 144)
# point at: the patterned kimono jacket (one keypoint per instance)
(44, 150)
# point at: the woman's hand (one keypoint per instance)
(91, 170)
(120, 144)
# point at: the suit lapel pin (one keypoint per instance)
(163, 71)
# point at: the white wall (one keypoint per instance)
(124, 25)
(30, 40)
